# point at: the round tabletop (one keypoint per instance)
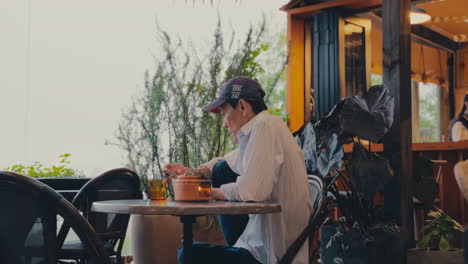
(170, 207)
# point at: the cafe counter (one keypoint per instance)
(447, 154)
(451, 199)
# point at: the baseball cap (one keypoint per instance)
(236, 88)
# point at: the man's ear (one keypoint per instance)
(242, 105)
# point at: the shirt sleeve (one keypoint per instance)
(457, 131)
(262, 162)
(231, 158)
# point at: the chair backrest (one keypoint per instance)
(68, 186)
(116, 184)
(318, 191)
(319, 214)
(64, 183)
(28, 224)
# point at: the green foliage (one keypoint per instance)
(279, 111)
(165, 122)
(37, 169)
(274, 61)
(441, 229)
(376, 79)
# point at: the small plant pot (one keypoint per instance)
(433, 256)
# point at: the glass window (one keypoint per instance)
(429, 112)
(355, 59)
(426, 110)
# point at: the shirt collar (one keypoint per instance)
(247, 127)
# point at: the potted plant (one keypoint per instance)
(435, 246)
(165, 124)
(360, 235)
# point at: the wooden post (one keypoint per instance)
(398, 141)
(451, 82)
(295, 73)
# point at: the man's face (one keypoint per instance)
(233, 119)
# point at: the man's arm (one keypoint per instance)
(217, 194)
(206, 172)
(206, 168)
(262, 161)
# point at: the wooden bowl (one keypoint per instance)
(191, 188)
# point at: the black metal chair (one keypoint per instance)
(319, 214)
(28, 223)
(117, 184)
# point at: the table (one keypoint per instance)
(187, 211)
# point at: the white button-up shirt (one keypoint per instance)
(459, 132)
(271, 168)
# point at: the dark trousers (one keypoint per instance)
(232, 225)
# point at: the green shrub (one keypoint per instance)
(37, 169)
(441, 230)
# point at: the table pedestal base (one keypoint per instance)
(187, 221)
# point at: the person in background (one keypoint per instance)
(268, 166)
(459, 128)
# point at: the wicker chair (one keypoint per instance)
(28, 224)
(117, 184)
(319, 214)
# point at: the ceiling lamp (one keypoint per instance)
(418, 15)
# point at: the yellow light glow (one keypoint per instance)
(419, 18)
(418, 15)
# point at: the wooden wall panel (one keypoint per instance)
(462, 77)
(462, 67)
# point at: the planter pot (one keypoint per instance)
(381, 248)
(156, 238)
(421, 255)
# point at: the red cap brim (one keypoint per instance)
(214, 106)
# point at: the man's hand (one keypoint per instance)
(217, 194)
(171, 170)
